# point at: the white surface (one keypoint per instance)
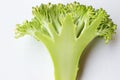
(27, 59)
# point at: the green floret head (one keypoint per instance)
(53, 15)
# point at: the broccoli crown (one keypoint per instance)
(49, 18)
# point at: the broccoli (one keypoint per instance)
(66, 30)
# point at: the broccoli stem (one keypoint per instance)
(66, 53)
(66, 56)
(64, 61)
(65, 69)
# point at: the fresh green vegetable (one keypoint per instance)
(66, 30)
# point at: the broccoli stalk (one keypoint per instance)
(66, 30)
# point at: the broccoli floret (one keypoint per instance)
(66, 30)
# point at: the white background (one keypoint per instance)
(27, 59)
